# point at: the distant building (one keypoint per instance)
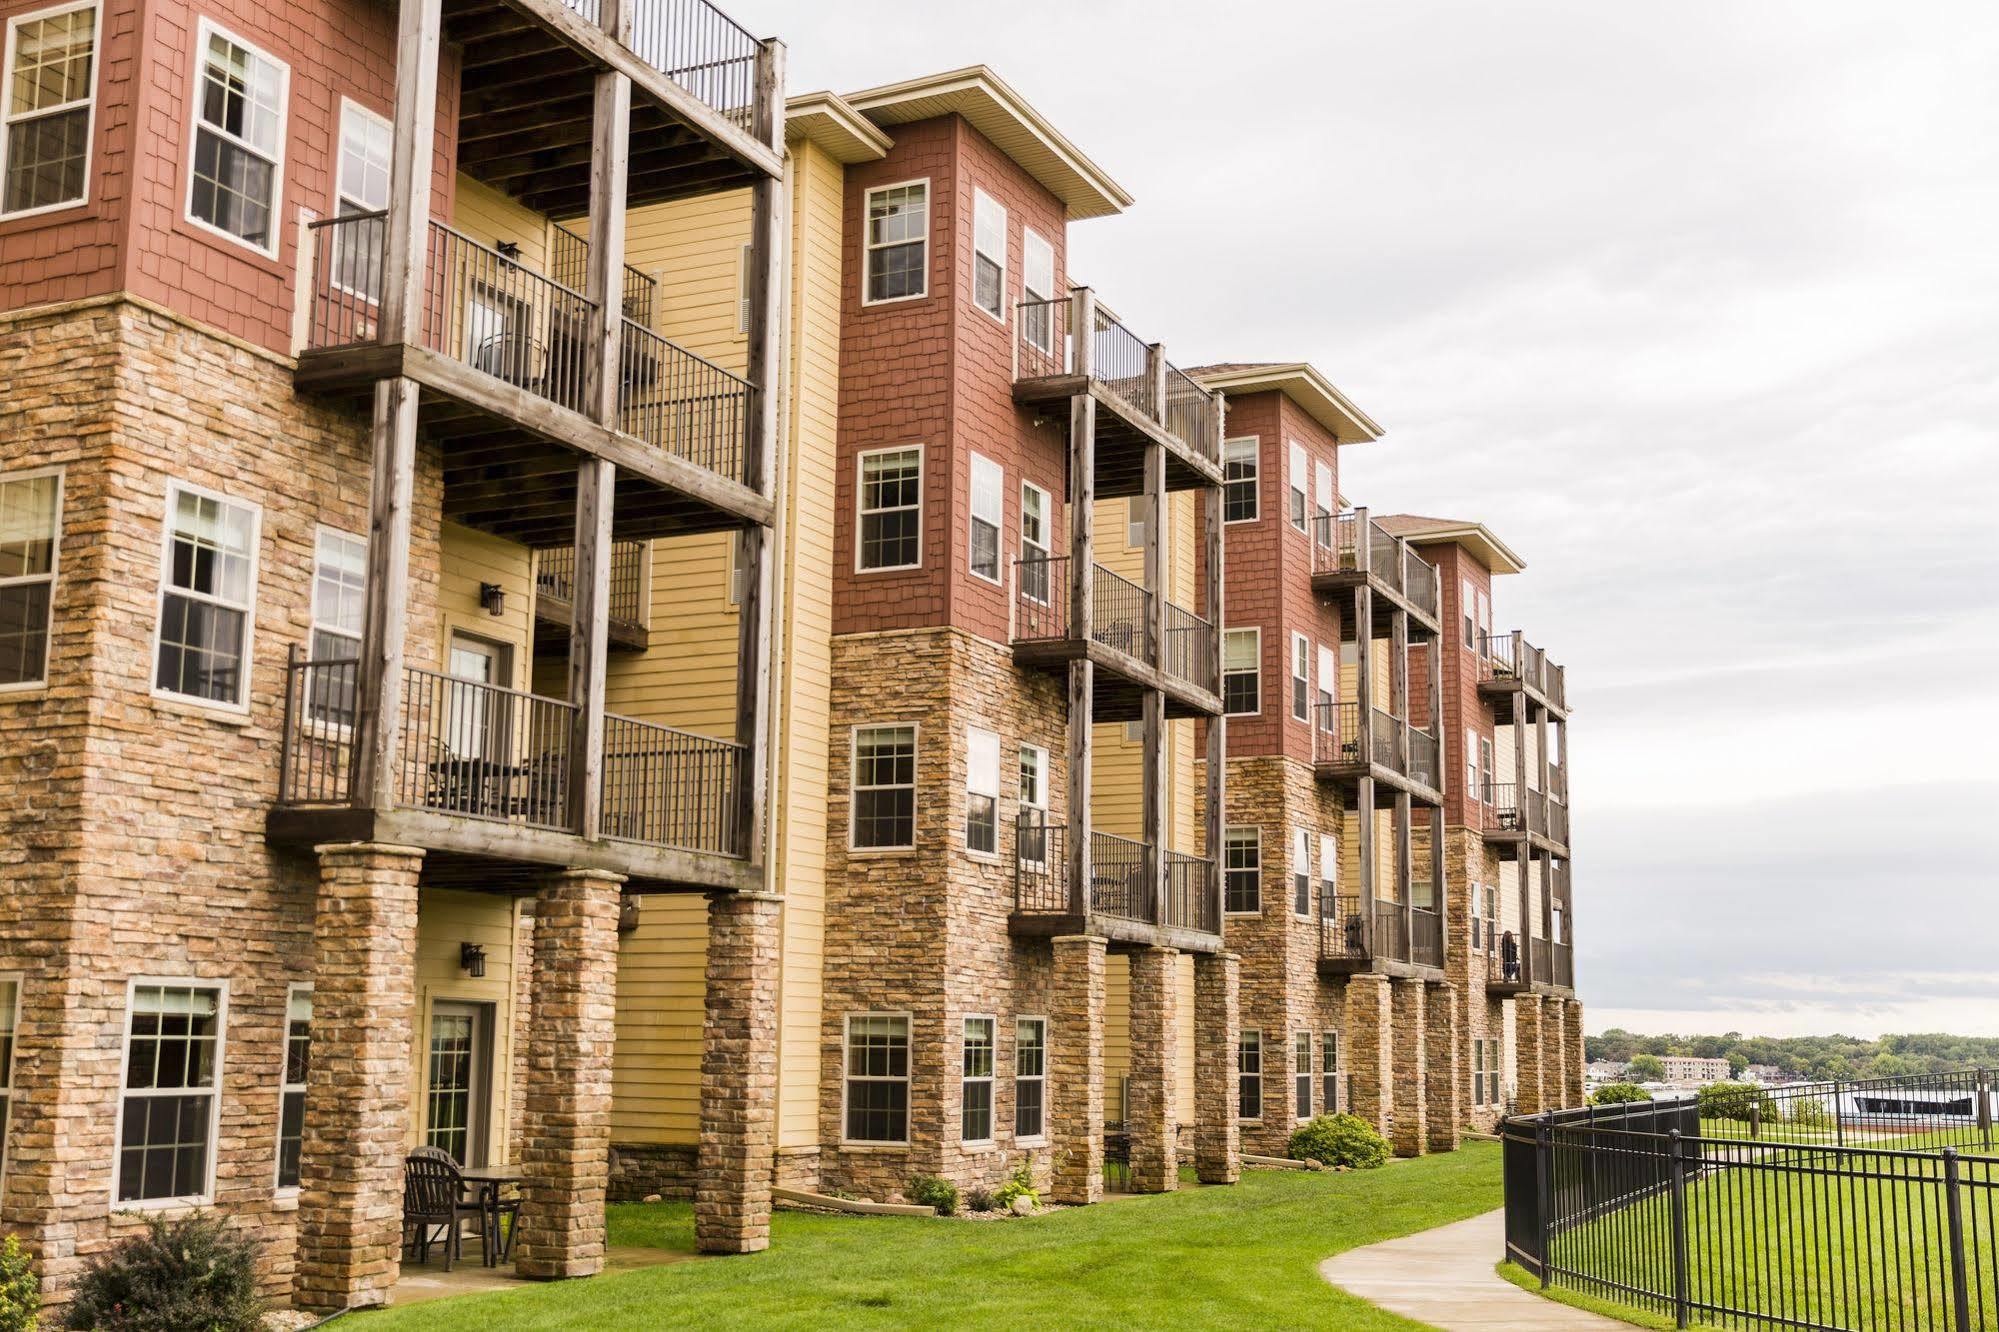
(1604, 1070)
(1766, 1074)
(1686, 1068)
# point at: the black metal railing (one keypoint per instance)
(1347, 932)
(701, 49)
(1343, 928)
(667, 787)
(316, 762)
(683, 404)
(1509, 656)
(1121, 884)
(1189, 651)
(569, 264)
(484, 751)
(1040, 865)
(1041, 339)
(555, 576)
(1121, 613)
(1192, 902)
(1336, 734)
(1834, 1206)
(1122, 362)
(1191, 414)
(1352, 542)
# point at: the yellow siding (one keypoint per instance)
(490, 217)
(470, 558)
(1117, 1035)
(446, 919)
(656, 1064)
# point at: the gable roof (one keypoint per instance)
(831, 123)
(1475, 537)
(992, 107)
(1300, 382)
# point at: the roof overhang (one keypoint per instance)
(1304, 385)
(829, 122)
(994, 109)
(1477, 538)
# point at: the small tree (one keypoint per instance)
(20, 1293)
(1646, 1068)
(1340, 1140)
(1742, 1102)
(1619, 1093)
(190, 1273)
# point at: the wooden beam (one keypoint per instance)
(538, 117)
(589, 644)
(1152, 798)
(1082, 684)
(1218, 748)
(385, 612)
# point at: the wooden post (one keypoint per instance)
(1433, 659)
(604, 272)
(1526, 857)
(1155, 563)
(1082, 331)
(1363, 558)
(385, 615)
(589, 642)
(1152, 800)
(1218, 747)
(1368, 858)
(1155, 366)
(1082, 517)
(1405, 869)
(1398, 685)
(1082, 687)
(1363, 614)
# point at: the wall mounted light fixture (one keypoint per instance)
(472, 959)
(494, 598)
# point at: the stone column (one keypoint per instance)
(357, 1096)
(1155, 1068)
(738, 1160)
(1527, 1057)
(566, 1145)
(1554, 1042)
(1217, 1029)
(1444, 1073)
(1076, 1067)
(1370, 1049)
(1572, 1071)
(1408, 1111)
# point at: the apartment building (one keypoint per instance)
(1502, 707)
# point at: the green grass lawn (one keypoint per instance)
(1219, 1257)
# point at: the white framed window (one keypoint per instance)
(890, 518)
(1468, 609)
(739, 568)
(1473, 791)
(989, 254)
(48, 109)
(1322, 503)
(361, 185)
(208, 589)
(1242, 672)
(10, 1021)
(744, 261)
(1137, 512)
(1242, 871)
(1299, 479)
(1485, 772)
(1485, 623)
(982, 782)
(1329, 1072)
(1301, 872)
(975, 1114)
(1329, 872)
(1240, 462)
(1301, 1075)
(1134, 732)
(167, 1116)
(1301, 678)
(1033, 829)
(1030, 1079)
(1491, 919)
(1037, 288)
(1036, 570)
(30, 546)
(1478, 1072)
(898, 243)
(988, 515)
(339, 589)
(1493, 1095)
(884, 789)
(1329, 678)
(236, 165)
(291, 1084)
(1249, 1075)
(874, 1093)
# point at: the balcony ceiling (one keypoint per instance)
(526, 101)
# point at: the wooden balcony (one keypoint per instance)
(526, 97)
(1141, 398)
(502, 360)
(482, 783)
(1509, 665)
(1520, 822)
(555, 598)
(1385, 938)
(1351, 550)
(1541, 967)
(1132, 655)
(1124, 903)
(1387, 749)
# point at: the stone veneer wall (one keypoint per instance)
(924, 932)
(132, 827)
(1480, 1017)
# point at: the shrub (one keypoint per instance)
(1810, 1112)
(1020, 1184)
(978, 1200)
(1340, 1140)
(20, 1293)
(190, 1273)
(1734, 1100)
(932, 1191)
(1619, 1093)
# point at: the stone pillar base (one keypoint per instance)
(1572, 1071)
(1370, 1050)
(1155, 1042)
(1527, 1055)
(566, 1144)
(1443, 1069)
(357, 1098)
(1408, 1131)
(1217, 1029)
(738, 1161)
(1076, 1065)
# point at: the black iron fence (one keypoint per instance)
(1838, 1206)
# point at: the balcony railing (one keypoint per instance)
(1120, 885)
(1351, 542)
(1336, 734)
(555, 576)
(1344, 935)
(487, 752)
(1121, 619)
(1044, 348)
(486, 311)
(701, 49)
(569, 264)
(1509, 656)
(1507, 809)
(1565, 965)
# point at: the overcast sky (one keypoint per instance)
(1697, 306)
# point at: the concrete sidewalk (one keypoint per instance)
(1444, 1277)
